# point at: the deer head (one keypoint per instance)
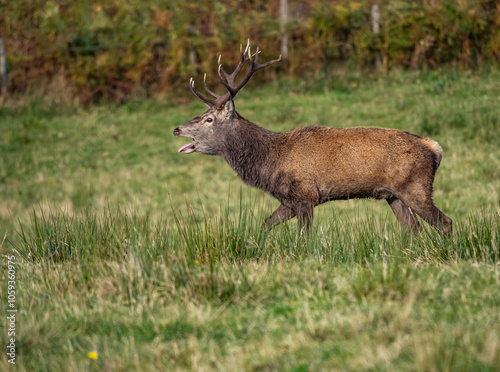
(208, 128)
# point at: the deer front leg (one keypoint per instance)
(282, 214)
(404, 214)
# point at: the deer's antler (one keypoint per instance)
(228, 80)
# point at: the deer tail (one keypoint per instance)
(435, 148)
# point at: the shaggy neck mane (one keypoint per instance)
(247, 150)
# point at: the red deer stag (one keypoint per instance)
(309, 166)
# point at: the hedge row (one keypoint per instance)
(111, 49)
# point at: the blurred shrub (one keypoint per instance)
(114, 49)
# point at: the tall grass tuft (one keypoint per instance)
(204, 239)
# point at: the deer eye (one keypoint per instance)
(209, 120)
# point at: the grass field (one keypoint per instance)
(155, 260)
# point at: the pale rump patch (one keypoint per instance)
(434, 147)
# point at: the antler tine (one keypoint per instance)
(207, 101)
(262, 65)
(247, 48)
(206, 87)
(217, 102)
(228, 80)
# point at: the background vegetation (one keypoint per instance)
(155, 260)
(112, 50)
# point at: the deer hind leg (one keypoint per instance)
(282, 214)
(422, 204)
(405, 215)
(304, 212)
(437, 219)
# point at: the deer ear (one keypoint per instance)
(228, 108)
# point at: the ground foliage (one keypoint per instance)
(113, 50)
(154, 260)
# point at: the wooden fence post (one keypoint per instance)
(376, 31)
(284, 28)
(3, 68)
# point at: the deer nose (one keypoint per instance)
(177, 131)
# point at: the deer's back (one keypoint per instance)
(339, 162)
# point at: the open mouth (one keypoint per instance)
(188, 148)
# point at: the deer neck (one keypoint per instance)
(248, 149)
